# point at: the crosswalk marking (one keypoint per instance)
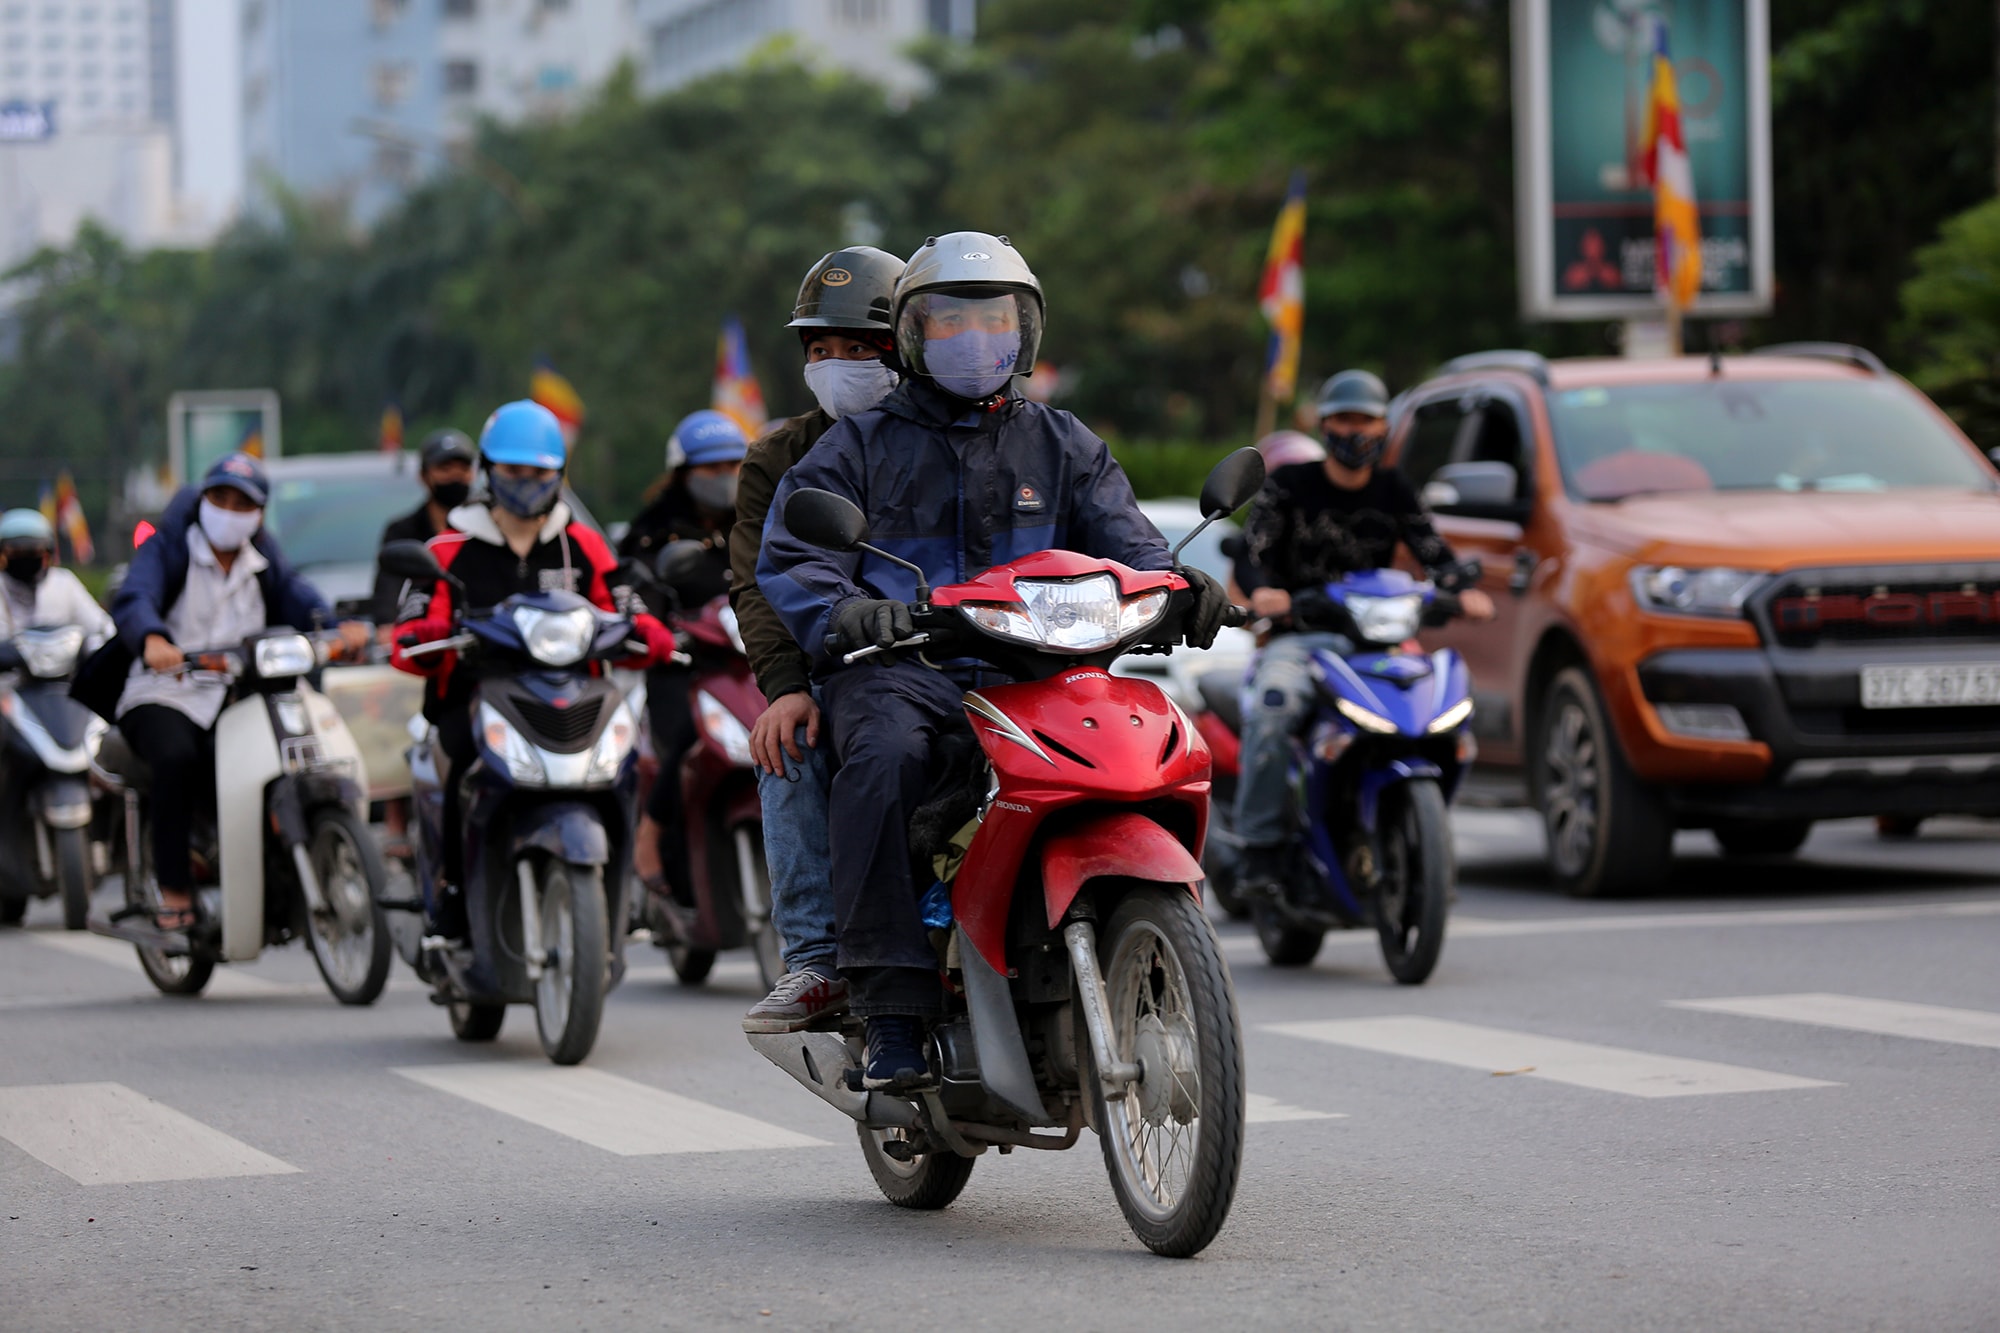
(1259, 1109)
(1580, 1064)
(605, 1111)
(227, 983)
(107, 1134)
(1855, 1013)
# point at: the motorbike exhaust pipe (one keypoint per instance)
(1117, 1076)
(819, 1061)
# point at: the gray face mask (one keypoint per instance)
(849, 388)
(715, 494)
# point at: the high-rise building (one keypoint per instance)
(88, 124)
(685, 39)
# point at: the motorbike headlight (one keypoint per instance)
(1366, 719)
(511, 748)
(557, 638)
(608, 755)
(1068, 616)
(1694, 592)
(1451, 718)
(1386, 619)
(733, 630)
(283, 655)
(722, 726)
(50, 654)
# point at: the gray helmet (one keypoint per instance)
(1354, 391)
(854, 288)
(967, 266)
(447, 446)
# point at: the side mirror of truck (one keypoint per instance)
(1477, 490)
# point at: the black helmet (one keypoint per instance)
(968, 269)
(852, 288)
(446, 446)
(1353, 391)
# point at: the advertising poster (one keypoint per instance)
(1582, 81)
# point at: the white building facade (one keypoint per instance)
(685, 39)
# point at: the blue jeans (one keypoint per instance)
(1275, 703)
(795, 851)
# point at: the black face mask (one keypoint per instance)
(1355, 449)
(451, 494)
(26, 569)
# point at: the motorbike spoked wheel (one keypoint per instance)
(1415, 890)
(173, 974)
(73, 874)
(764, 942)
(350, 938)
(928, 1181)
(569, 995)
(1173, 1142)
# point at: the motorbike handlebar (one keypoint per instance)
(456, 643)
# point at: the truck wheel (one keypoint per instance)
(1609, 834)
(1775, 838)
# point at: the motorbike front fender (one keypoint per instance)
(567, 830)
(246, 762)
(1124, 844)
(63, 801)
(1378, 780)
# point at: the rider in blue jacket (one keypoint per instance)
(956, 472)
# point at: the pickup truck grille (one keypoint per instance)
(1894, 604)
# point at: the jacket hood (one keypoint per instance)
(476, 521)
(917, 399)
(1774, 530)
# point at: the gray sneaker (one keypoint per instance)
(797, 1002)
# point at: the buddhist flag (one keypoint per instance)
(1282, 293)
(736, 394)
(69, 518)
(1676, 223)
(390, 437)
(548, 387)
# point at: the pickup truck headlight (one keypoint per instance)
(1680, 591)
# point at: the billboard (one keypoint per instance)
(1581, 81)
(206, 425)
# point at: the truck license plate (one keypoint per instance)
(1930, 686)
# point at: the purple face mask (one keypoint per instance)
(974, 364)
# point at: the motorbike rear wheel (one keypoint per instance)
(1173, 1143)
(691, 965)
(928, 1181)
(569, 995)
(1417, 872)
(12, 910)
(1284, 944)
(353, 958)
(765, 945)
(73, 874)
(476, 1022)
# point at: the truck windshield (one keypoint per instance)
(324, 520)
(1751, 435)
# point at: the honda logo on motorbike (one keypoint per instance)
(1887, 610)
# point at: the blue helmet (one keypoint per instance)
(706, 437)
(526, 433)
(26, 525)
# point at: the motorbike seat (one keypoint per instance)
(119, 765)
(1223, 694)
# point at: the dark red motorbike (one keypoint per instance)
(1087, 987)
(731, 887)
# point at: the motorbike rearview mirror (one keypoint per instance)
(1231, 484)
(680, 561)
(836, 523)
(414, 561)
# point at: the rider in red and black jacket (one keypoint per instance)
(521, 539)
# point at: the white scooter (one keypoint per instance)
(290, 837)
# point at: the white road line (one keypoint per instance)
(227, 983)
(1855, 1013)
(107, 1134)
(1472, 927)
(1261, 1110)
(605, 1111)
(1580, 1064)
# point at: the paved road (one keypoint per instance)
(1765, 1100)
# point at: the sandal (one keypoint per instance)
(170, 917)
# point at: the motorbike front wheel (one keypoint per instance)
(350, 938)
(928, 1181)
(1173, 1142)
(73, 874)
(1416, 880)
(569, 994)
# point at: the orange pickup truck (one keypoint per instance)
(1739, 593)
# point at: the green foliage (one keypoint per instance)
(1167, 467)
(1953, 309)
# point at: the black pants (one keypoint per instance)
(181, 754)
(460, 749)
(670, 714)
(884, 721)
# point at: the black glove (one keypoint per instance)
(1312, 609)
(1211, 604)
(870, 622)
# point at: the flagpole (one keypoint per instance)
(1267, 411)
(1673, 328)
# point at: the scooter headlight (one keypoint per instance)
(608, 755)
(556, 638)
(722, 727)
(1451, 718)
(50, 654)
(1069, 616)
(1386, 619)
(511, 748)
(283, 655)
(1366, 718)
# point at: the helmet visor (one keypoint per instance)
(970, 342)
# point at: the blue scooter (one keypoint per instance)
(1379, 761)
(546, 818)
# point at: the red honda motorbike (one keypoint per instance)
(725, 824)
(1086, 985)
